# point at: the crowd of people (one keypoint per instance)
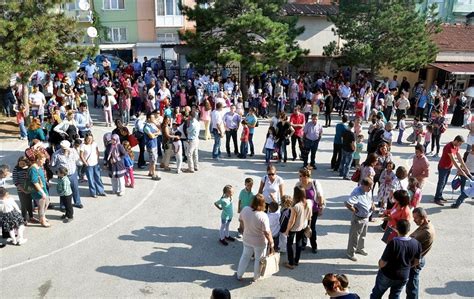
(166, 116)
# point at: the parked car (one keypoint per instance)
(114, 62)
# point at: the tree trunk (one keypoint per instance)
(243, 83)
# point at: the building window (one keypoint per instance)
(114, 4)
(117, 35)
(168, 7)
(168, 38)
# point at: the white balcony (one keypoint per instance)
(170, 21)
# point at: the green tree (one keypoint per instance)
(251, 32)
(36, 35)
(384, 33)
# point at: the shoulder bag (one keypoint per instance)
(269, 265)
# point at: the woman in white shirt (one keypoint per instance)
(68, 127)
(271, 186)
(89, 153)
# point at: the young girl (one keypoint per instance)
(385, 190)
(285, 213)
(240, 107)
(11, 219)
(205, 113)
(125, 105)
(225, 205)
(357, 126)
(178, 151)
(264, 105)
(400, 182)
(358, 150)
(128, 162)
(428, 133)
(107, 107)
(65, 193)
(307, 109)
(20, 119)
(270, 144)
(415, 192)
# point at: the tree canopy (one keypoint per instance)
(384, 33)
(36, 35)
(251, 32)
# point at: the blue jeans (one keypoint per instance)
(216, 149)
(159, 141)
(463, 195)
(268, 155)
(252, 150)
(23, 132)
(93, 179)
(413, 284)
(309, 146)
(346, 161)
(75, 188)
(400, 135)
(443, 175)
(244, 149)
(383, 283)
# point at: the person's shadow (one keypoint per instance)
(194, 248)
(460, 288)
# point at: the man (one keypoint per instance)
(403, 104)
(393, 84)
(137, 68)
(251, 120)
(348, 148)
(312, 134)
(229, 86)
(192, 142)
(425, 234)
(389, 101)
(66, 157)
(293, 91)
(297, 122)
(278, 97)
(344, 93)
(91, 68)
(37, 101)
(140, 135)
(212, 87)
(404, 86)
(218, 130)
(360, 203)
(400, 255)
(151, 133)
(337, 144)
(83, 120)
(447, 161)
(232, 122)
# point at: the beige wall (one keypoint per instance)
(317, 34)
(412, 77)
(146, 20)
(188, 24)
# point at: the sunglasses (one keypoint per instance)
(271, 174)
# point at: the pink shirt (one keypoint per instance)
(205, 115)
(420, 167)
(255, 224)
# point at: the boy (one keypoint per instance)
(274, 218)
(401, 128)
(245, 199)
(244, 140)
(178, 151)
(65, 193)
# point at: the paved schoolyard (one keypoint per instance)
(161, 238)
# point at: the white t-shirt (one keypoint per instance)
(255, 224)
(178, 149)
(274, 219)
(37, 99)
(269, 188)
(270, 143)
(90, 153)
(217, 118)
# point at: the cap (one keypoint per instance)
(65, 144)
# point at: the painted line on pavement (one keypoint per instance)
(85, 238)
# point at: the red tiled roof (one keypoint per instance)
(455, 38)
(295, 9)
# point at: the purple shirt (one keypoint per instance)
(232, 121)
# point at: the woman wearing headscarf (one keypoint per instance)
(113, 157)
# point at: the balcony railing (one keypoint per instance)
(170, 21)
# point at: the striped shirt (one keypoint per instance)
(19, 176)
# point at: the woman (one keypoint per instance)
(299, 220)
(420, 168)
(167, 142)
(383, 157)
(36, 183)
(271, 186)
(89, 154)
(333, 285)
(113, 155)
(367, 169)
(401, 210)
(205, 113)
(284, 130)
(20, 175)
(67, 128)
(256, 236)
(35, 131)
(314, 193)
(328, 104)
(368, 97)
(439, 127)
(458, 112)
(252, 123)
(121, 130)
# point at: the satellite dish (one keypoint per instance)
(92, 32)
(84, 5)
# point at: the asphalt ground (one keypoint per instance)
(161, 238)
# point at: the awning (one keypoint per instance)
(456, 68)
(116, 46)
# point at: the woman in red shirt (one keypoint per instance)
(401, 210)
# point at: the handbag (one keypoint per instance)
(308, 232)
(356, 175)
(388, 235)
(456, 183)
(269, 265)
(132, 140)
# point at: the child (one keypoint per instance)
(358, 126)
(400, 182)
(415, 192)
(107, 107)
(240, 107)
(269, 144)
(225, 205)
(264, 105)
(178, 151)
(387, 134)
(125, 105)
(285, 215)
(65, 193)
(428, 134)
(20, 119)
(244, 140)
(385, 190)
(358, 150)
(11, 219)
(467, 116)
(128, 162)
(274, 219)
(401, 128)
(4, 174)
(245, 199)
(307, 109)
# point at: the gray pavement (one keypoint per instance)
(161, 238)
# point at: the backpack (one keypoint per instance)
(284, 219)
